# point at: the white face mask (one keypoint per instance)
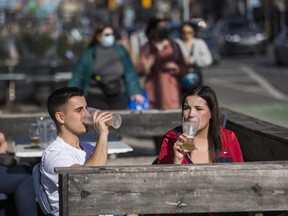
(108, 40)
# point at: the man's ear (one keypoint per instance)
(59, 117)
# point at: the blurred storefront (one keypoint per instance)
(44, 36)
(67, 23)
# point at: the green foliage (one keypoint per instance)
(3, 54)
(37, 44)
(63, 46)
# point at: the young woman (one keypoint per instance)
(105, 73)
(161, 63)
(199, 55)
(213, 142)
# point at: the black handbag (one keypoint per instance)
(111, 88)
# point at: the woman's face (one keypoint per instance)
(197, 106)
(106, 37)
(187, 32)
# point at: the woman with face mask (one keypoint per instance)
(106, 73)
(162, 64)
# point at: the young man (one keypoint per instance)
(67, 106)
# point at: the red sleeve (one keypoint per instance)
(166, 153)
(230, 145)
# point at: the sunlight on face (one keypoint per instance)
(73, 114)
(197, 106)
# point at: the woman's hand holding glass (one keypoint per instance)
(185, 141)
(179, 153)
(190, 128)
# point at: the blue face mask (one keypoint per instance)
(108, 40)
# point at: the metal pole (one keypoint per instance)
(249, 10)
(186, 10)
(282, 7)
(10, 91)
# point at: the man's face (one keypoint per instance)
(73, 114)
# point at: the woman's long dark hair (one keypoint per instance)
(214, 131)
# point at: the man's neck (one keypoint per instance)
(70, 139)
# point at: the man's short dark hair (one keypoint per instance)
(59, 97)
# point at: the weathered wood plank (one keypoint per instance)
(177, 189)
(64, 205)
(259, 140)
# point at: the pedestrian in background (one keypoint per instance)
(161, 63)
(106, 73)
(199, 55)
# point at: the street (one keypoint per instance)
(251, 84)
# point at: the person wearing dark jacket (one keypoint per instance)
(16, 181)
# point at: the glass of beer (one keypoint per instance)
(34, 134)
(115, 122)
(190, 127)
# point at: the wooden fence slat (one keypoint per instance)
(242, 187)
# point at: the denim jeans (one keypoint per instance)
(18, 182)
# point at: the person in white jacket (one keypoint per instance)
(197, 55)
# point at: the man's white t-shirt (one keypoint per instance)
(57, 154)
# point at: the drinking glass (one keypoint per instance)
(115, 122)
(34, 135)
(190, 127)
(48, 131)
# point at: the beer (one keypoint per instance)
(190, 128)
(188, 146)
(34, 135)
(35, 141)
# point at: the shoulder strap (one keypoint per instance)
(188, 159)
(192, 49)
(175, 48)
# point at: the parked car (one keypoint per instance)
(212, 43)
(280, 45)
(239, 35)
